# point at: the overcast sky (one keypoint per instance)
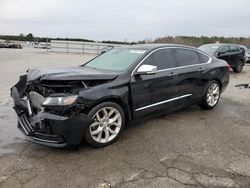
(127, 19)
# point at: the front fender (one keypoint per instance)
(95, 95)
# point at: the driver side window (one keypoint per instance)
(163, 59)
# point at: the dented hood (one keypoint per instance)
(69, 73)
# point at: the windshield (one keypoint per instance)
(118, 59)
(210, 48)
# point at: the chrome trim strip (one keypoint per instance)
(29, 107)
(42, 140)
(24, 123)
(162, 102)
(46, 143)
(27, 122)
(162, 70)
(21, 123)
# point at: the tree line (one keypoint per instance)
(198, 41)
(31, 38)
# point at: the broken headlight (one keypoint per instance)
(59, 101)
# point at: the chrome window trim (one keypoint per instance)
(162, 102)
(162, 70)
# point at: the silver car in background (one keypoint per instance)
(247, 56)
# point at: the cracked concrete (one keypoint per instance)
(188, 148)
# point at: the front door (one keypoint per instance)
(158, 92)
(224, 54)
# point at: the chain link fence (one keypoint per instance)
(80, 47)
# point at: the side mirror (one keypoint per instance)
(146, 70)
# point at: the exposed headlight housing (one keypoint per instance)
(59, 101)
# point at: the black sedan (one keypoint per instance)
(61, 106)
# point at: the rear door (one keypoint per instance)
(192, 65)
(236, 55)
(158, 92)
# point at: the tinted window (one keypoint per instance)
(203, 58)
(163, 59)
(232, 49)
(224, 50)
(238, 49)
(186, 57)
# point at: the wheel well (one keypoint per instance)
(219, 83)
(125, 107)
(208, 83)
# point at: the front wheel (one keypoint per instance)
(109, 121)
(212, 96)
(238, 67)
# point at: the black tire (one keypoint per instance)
(92, 113)
(239, 67)
(205, 104)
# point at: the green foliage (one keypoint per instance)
(118, 42)
(72, 39)
(198, 41)
(31, 38)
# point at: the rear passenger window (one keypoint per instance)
(203, 58)
(163, 59)
(232, 49)
(238, 49)
(187, 57)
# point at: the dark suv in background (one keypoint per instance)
(233, 54)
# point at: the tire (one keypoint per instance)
(239, 67)
(212, 96)
(109, 122)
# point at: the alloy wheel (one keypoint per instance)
(213, 94)
(107, 125)
(239, 66)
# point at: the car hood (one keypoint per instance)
(69, 73)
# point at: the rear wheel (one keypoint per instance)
(109, 120)
(212, 96)
(238, 67)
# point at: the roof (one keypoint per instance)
(222, 44)
(155, 46)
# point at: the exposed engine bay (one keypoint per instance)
(37, 92)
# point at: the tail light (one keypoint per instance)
(229, 67)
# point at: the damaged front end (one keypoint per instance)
(48, 111)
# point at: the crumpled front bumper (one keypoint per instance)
(63, 131)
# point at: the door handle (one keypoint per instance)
(173, 74)
(201, 69)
